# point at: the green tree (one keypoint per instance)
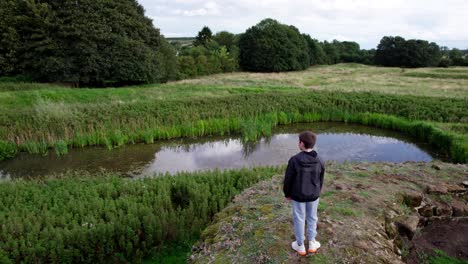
(456, 57)
(271, 46)
(204, 36)
(89, 42)
(349, 51)
(226, 39)
(390, 51)
(9, 39)
(332, 52)
(398, 52)
(316, 54)
(367, 56)
(227, 63)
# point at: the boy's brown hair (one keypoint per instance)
(308, 138)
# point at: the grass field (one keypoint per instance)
(452, 82)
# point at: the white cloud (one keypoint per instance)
(208, 9)
(363, 21)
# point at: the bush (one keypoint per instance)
(187, 67)
(444, 63)
(199, 61)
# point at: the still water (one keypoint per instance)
(336, 141)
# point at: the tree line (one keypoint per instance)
(113, 43)
(271, 46)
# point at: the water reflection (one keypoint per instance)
(232, 153)
(336, 141)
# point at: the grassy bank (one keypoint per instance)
(357, 197)
(106, 218)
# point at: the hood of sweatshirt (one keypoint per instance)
(307, 159)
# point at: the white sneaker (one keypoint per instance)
(299, 249)
(314, 245)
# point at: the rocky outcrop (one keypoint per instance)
(435, 209)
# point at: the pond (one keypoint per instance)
(335, 141)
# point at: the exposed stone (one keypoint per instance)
(452, 188)
(435, 167)
(442, 209)
(436, 189)
(465, 183)
(426, 211)
(412, 199)
(361, 168)
(459, 208)
(407, 225)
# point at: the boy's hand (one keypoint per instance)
(288, 199)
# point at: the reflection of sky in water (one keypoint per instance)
(277, 150)
(4, 176)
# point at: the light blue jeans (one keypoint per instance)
(303, 212)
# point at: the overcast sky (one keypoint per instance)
(364, 21)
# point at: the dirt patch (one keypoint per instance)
(448, 235)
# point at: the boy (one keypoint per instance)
(302, 184)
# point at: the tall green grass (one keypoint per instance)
(108, 218)
(7, 150)
(38, 128)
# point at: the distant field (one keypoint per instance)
(449, 82)
(185, 41)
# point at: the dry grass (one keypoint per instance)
(350, 77)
